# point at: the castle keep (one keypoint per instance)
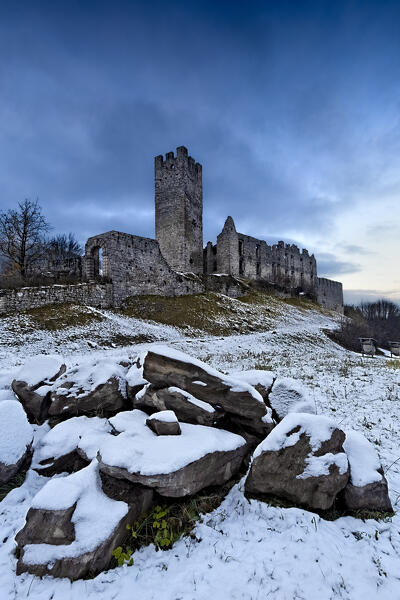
(119, 265)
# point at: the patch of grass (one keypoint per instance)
(61, 316)
(393, 363)
(303, 303)
(167, 522)
(211, 313)
(15, 482)
(120, 339)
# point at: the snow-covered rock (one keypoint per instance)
(33, 384)
(92, 388)
(72, 527)
(176, 465)
(260, 379)
(166, 367)
(301, 460)
(288, 395)
(187, 408)
(367, 488)
(16, 435)
(70, 445)
(164, 423)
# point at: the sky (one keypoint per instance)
(292, 108)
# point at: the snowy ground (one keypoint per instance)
(248, 550)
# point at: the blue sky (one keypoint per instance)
(293, 108)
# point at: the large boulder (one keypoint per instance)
(73, 526)
(367, 488)
(301, 461)
(164, 423)
(288, 395)
(174, 466)
(187, 408)
(165, 367)
(33, 384)
(16, 435)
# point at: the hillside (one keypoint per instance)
(242, 549)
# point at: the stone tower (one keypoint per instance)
(228, 249)
(179, 210)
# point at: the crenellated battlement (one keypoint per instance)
(179, 162)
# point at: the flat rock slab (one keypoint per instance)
(302, 461)
(174, 466)
(16, 435)
(165, 367)
(73, 526)
(367, 489)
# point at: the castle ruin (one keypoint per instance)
(175, 263)
(119, 265)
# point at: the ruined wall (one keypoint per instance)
(90, 294)
(244, 256)
(179, 210)
(135, 266)
(330, 294)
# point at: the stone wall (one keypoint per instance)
(179, 210)
(330, 294)
(90, 294)
(135, 266)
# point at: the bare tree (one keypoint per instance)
(22, 236)
(64, 246)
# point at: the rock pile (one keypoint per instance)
(167, 424)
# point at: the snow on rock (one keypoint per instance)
(301, 460)
(165, 416)
(138, 450)
(40, 368)
(164, 422)
(367, 488)
(16, 435)
(235, 385)
(166, 367)
(257, 378)
(56, 451)
(98, 523)
(364, 462)
(33, 383)
(187, 408)
(175, 465)
(200, 403)
(84, 377)
(93, 387)
(289, 395)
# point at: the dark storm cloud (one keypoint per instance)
(280, 102)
